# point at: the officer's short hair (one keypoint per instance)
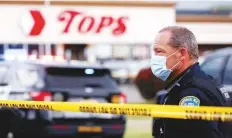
(183, 37)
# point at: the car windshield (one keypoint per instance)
(78, 78)
(214, 66)
(228, 72)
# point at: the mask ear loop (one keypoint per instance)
(175, 65)
(173, 53)
(177, 62)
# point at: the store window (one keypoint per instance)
(121, 51)
(140, 52)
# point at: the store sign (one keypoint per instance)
(30, 24)
(86, 23)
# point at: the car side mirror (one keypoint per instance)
(3, 84)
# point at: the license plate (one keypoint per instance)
(89, 129)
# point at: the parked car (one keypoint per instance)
(148, 85)
(218, 64)
(125, 71)
(58, 82)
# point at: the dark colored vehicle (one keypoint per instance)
(58, 82)
(219, 65)
(148, 84)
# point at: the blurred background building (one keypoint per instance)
(210, 21)
(116, 34)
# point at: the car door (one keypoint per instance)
(4, 82)
(215, 66)
(227, 77)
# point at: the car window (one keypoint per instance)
(228, 72)
(79, 78)
(214, 66)
(3, 73)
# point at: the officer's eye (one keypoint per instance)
(159, 52)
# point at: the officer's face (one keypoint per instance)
(162, 48)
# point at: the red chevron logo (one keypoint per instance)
(39, 23)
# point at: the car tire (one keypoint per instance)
(3, 132)
(5, 127)
(115, 136)
(25, 136)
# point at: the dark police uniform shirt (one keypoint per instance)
(184, 92)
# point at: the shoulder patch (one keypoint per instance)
(189, 101)
(225, 93)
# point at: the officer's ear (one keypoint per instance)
(184, 54)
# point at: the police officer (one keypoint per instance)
(175, 61)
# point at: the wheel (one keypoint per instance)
(4, 125)
(115, 136)
(3, 132)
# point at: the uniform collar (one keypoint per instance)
(184, 78)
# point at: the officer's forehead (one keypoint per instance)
(163, 38)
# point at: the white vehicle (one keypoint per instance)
(126, 70)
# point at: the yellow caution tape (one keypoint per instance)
(153, 110)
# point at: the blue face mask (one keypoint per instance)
(159, 67)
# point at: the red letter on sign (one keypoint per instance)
(105, 22)
(62, 17)
(121, 28)
(87, 22)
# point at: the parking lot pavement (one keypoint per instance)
(138, 127)
(133, 95)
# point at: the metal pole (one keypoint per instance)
(27, 49)
(5, 47)
(47, 3)
(41, 50)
